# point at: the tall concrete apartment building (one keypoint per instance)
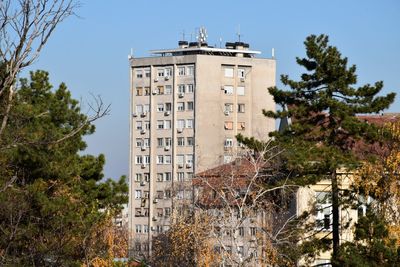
(187, 105)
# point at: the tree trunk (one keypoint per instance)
(335, 217)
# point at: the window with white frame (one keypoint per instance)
(167, 124)
(190, 105)
(147, 125)
(241, 73)
(138, 159)
(228, 142)
(227, 158)
(160, 72)
(160, 142)
(147, 73)
(160, 177)
(167, 193)
(168, 72)
(228, 107)
(179, 194)
(139, 74)
(167, 159)
(146, 159)
(139, 142)
(240, 108)
(146, 176)
(180, 106)
(228, 72)
(160, 124)
(138, 177)
(168, 141)
(181, 88)
(189, 123)
(180, 124)
(181, 71)
(145, 228)
(168, 90)
(138, 228)
(138, 194)
(139, 109)
(146, 142)
(240, 90)
(253, 231)
(167, 212)
(190, 70)
(168, 106)
(189, 88)
(139, 125)
(189, 159)
(160, 107)
(146, 108)
(180, 176)
(167, 176)
(180, 159)
(181, 141)
(228, 90)
(324, 210)
(190, 141)
(160, 159)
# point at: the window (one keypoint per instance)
(139, 125)
(146, 176)
(240, 251)
(240, 73)
(160, 124)
(181, 71)
(138, 212)
(228, 125)
(147, 125)
(138, 194)
(180, 176)
(190, 88)
(167, 176)
(138, 246)
(179, 194)
(228, 72)
(147, 91)
(324, 210)
(167, 124)
(189, 175)
(139, 109)
(160, 159)
(139, 142)
(146, 142)
(240, 108)
(147, 73)
(145, 228)
(160, 72)
(146, 108)
(190, 141)
(241, 125)
(227, 158)
(146, 194)
(253, 231)
(189, 123)
(228, 90)
(146, 212)
(159, 229)
(180, 159)
(228, 142)
(180, 124)
(139, 74)
(190, 105)
(160, 194)
(139, 91)
(167, 193)
(138, 228)
(190, 70)
(241, 231)
(168, 141)
(160, 142)
(189, 159)
(240, 90)
(160, 90)
(168, 90)
(167, 212)
(146, 159)
(181, 88)
(167, 159)
(160, 177)
(228, 107)
(181, 106)
(168, 72)
(160, 107)
(181, 141)
(159, 212)
(138, 159)
(138, 177)
(168, 106)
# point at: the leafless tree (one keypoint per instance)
(25, 28)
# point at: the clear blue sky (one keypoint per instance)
(89, 53)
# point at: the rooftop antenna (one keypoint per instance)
(273, 52)
(131, 54)
(238, 33)
(202, 37)
(220, 42)
(183, 35)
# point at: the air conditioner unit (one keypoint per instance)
(166, 78)
(143, 148)
(134, 115)
(226, 112)
(154, 92)
(144, 114)
(143, 131)
(180, 130)
(155, 201)
(155, 80)
(167, 148)
(167, 113)
(188, 165)
(143, 165)
(180, 165)
(180, 95)
(153, 228)
(154, 219)
(242, 80)
(142, 183)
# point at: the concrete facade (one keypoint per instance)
(187, 105)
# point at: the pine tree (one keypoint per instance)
(324, 128)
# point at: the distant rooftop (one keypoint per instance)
(236, 49)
